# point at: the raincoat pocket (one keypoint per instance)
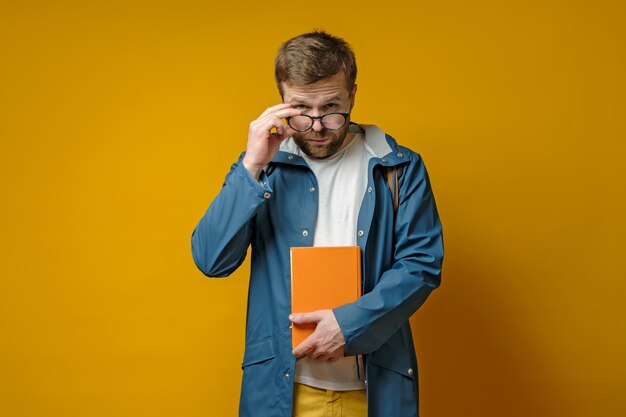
(261, 377)
(258, 352)
(391, 377)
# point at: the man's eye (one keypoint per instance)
(300, 106)
(331, 105)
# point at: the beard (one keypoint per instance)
(335, 140)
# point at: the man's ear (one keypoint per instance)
(352, 96)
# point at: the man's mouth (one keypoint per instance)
(318, 141)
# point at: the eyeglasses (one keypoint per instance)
(330, 121)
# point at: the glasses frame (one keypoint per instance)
(314, 118)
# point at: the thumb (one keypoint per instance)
(305, 318)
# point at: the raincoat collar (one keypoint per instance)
(382, 146)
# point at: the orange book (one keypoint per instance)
(323, 278)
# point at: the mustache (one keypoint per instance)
(322, 134)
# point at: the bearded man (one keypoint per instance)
(312, 177)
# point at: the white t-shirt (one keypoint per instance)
(341, 182)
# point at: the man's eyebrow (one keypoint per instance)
(303, 101)
(333, 98)
(298, 100)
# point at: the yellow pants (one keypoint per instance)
(315, 402)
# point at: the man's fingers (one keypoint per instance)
(274, 121)
(326, 341)
(322, 355)
(278, 116)
(280, 131)
(274, 108)
(280, 110)
(303, 348)
(317, 354)
(268, 124)
(305, 318)
(287, 112)
(288, 131)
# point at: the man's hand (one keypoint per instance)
(262, 143)
(327, 342)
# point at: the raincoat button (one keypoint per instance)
(312, 189)
(400, 154)
(360, 233)
(410, 372)
(383, 160)
(267, 195)
(369, 189)
(305, 233)
(290, 157)
(286, 376)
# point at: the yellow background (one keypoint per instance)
(119, 120)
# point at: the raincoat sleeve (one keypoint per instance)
(416, 270)
(220, 240)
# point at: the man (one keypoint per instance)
(320, 180)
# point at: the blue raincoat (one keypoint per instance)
(402, 254)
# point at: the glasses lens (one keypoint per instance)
(333, 120)
(300, 123)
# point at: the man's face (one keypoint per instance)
(329, 95)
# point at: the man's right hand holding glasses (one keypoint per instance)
(262, 142)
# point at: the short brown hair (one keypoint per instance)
(311, 57)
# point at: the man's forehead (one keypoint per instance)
(317, 91)
(332, 87)
(315, 96)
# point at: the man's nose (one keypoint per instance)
(317, 125)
